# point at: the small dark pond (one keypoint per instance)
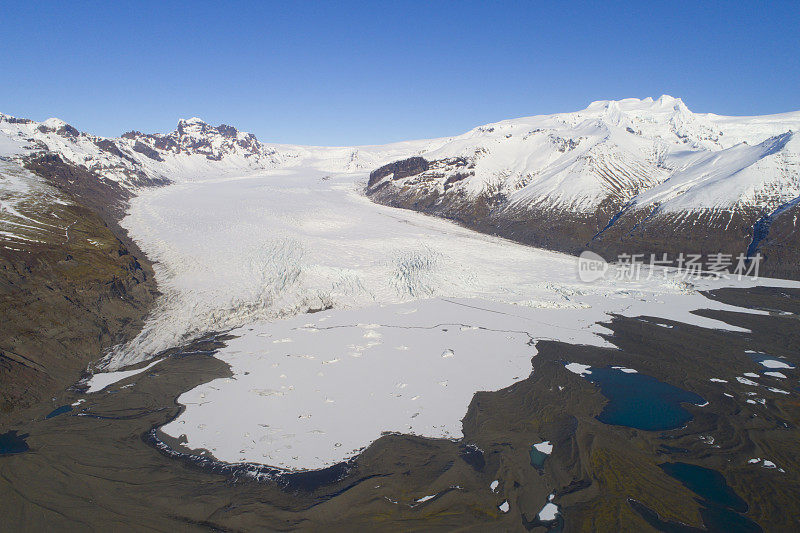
(59, 411)
(640, 401)
(706, 483)
(11, 442)
(537, 457)
(722, 507)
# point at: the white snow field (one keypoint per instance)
(425, 313)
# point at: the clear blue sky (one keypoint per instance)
(374, 72)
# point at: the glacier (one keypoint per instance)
(411, 314)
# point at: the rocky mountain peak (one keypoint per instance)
(58, 126)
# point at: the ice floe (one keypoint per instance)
(550, 510)
(544, 447)
(578, 368)
(772, 363)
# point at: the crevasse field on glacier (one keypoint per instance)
(419, 313)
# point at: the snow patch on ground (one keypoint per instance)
(101, 380)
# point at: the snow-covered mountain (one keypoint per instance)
(654, 152)
(650, 152)
(607, 174)
(628, 176)
(193, 151)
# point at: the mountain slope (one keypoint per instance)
(629, 176)
(71, 284)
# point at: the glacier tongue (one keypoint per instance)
(236, 250)
(309, 238)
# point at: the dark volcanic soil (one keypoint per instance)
(99, 472)
(69, 297)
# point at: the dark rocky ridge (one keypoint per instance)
(633, 231)
(399, 169)
(782, 244)
(195, 137)
(147, 151)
